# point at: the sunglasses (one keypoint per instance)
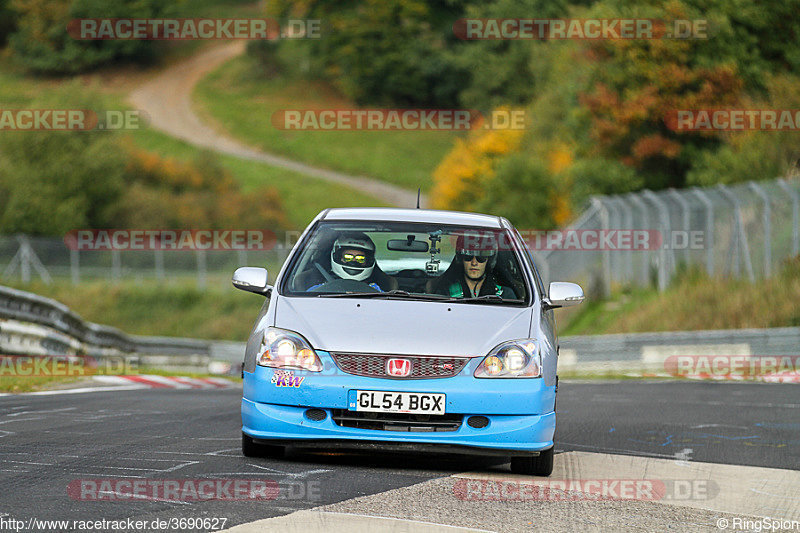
(469, 258)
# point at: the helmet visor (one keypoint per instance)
(354, 257)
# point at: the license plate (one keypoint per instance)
(398, 402)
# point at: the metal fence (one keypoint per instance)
(743, 230)
(29, 258)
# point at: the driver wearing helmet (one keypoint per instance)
(473, 273)
(353, 258)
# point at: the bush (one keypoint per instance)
(42, 44)
(8, 21)
(58, 180)
(165, 193)
(52, 182)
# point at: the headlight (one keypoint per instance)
(513, 359)
(281, 348)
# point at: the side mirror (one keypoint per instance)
(564, 294)
(251, 279)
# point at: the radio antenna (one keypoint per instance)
(418, 191)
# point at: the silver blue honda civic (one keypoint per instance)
(405, 329)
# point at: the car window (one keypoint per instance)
(461, 263)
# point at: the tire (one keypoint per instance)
(540, 465)
(251, 448)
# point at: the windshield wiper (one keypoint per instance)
(390, 294)
(491, 298)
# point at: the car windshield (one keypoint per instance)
(408, 261)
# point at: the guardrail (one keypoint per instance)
(34, 325)
(649, 351)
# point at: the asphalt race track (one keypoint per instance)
(46, 442)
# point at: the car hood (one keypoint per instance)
(402, 327)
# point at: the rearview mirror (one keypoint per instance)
(564, 294)
(407, 245)
(251, 279)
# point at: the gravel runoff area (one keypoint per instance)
(434, 501)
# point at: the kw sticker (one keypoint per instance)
(284, 378)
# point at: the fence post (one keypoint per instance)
(795, 215)
(645, 222)
(767, 228)
(663, 212)
(606, 257)
(627, 223)
(684, 219)
(25, 258)
(241, 257)
(709, 240)
(159, 263)
(613, 222)
(116, 265)
(201, 269)
(74, 266)
(741, 235)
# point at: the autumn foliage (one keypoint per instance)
(167, 193)
(464, 174)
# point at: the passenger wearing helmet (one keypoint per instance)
(472, 272)
(353, 258)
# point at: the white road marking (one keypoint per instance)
(144, 498)
(42, 412)
(600, 449)
(81, 390)
(217, 452)
(22, 419)
(310, 520)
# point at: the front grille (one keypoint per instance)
(396, 421)
(422, 367)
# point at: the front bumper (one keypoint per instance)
(520, 411)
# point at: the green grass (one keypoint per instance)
(693, 302)
(148, 370)
(241, 101)
(16, 384)
(147, 308)
(303, 197)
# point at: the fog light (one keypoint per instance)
(478, 422)
(316, 414)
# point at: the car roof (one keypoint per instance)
(398, 214)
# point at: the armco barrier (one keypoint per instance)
(31, 324)
(649, 351)
(34, 325)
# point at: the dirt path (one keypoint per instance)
(167, 100)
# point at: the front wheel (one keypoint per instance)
(251, 448)
(540, 465)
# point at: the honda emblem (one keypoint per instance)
(398, 368)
